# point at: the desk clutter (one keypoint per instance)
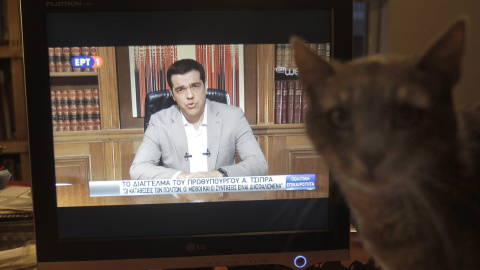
(17, 237)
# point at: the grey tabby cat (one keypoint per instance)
(402, 156)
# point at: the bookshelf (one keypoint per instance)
(290, 104)
(14, 123)
(75, 96)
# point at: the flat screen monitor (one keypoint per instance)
(88, 68)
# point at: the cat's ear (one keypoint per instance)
(312, 68)
(445, 56)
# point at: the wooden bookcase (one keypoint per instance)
(106, 154)
(17, 145)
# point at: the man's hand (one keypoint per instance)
(202, 197)
(210, 174)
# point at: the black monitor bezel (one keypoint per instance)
(50, 248)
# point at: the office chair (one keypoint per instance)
(162, 99)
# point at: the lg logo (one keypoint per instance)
(64, 4)
(193, 247)
(288, 72)
(68, 4)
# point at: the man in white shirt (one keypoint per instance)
(196, 138)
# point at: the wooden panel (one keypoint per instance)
(250, 52)
(265, 83)
(10, 52)
(284, 150)
(117, 166)
(19, 99)
(17, 83)
(15, 41)
(14, 31)
(124, 90)
(277, 156)
(107, 76)
(73, 169)
(13, 147)
(308, 161)
(25, 167)
(294, 154)
(305, 160)
(262, 142)
(99, 164)
(111, 151)
(127, 153)
(109, 160)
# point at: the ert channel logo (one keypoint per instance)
(87, 61)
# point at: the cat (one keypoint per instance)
(406, 161)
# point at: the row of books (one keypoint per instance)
(75, 110)
(59, 58)
(290, 104)
(284, 53)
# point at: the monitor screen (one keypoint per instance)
(100, 59)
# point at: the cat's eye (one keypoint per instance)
(406, 117)
(340, 118)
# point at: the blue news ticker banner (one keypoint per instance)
(300, 182)
(202, 185)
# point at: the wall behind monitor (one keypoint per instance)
(416, 24)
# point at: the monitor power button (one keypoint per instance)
(300, 261)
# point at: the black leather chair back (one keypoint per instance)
(159, 100)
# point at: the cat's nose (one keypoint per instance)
(371, 148)
(371, 160)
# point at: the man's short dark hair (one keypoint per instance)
(184, 66)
